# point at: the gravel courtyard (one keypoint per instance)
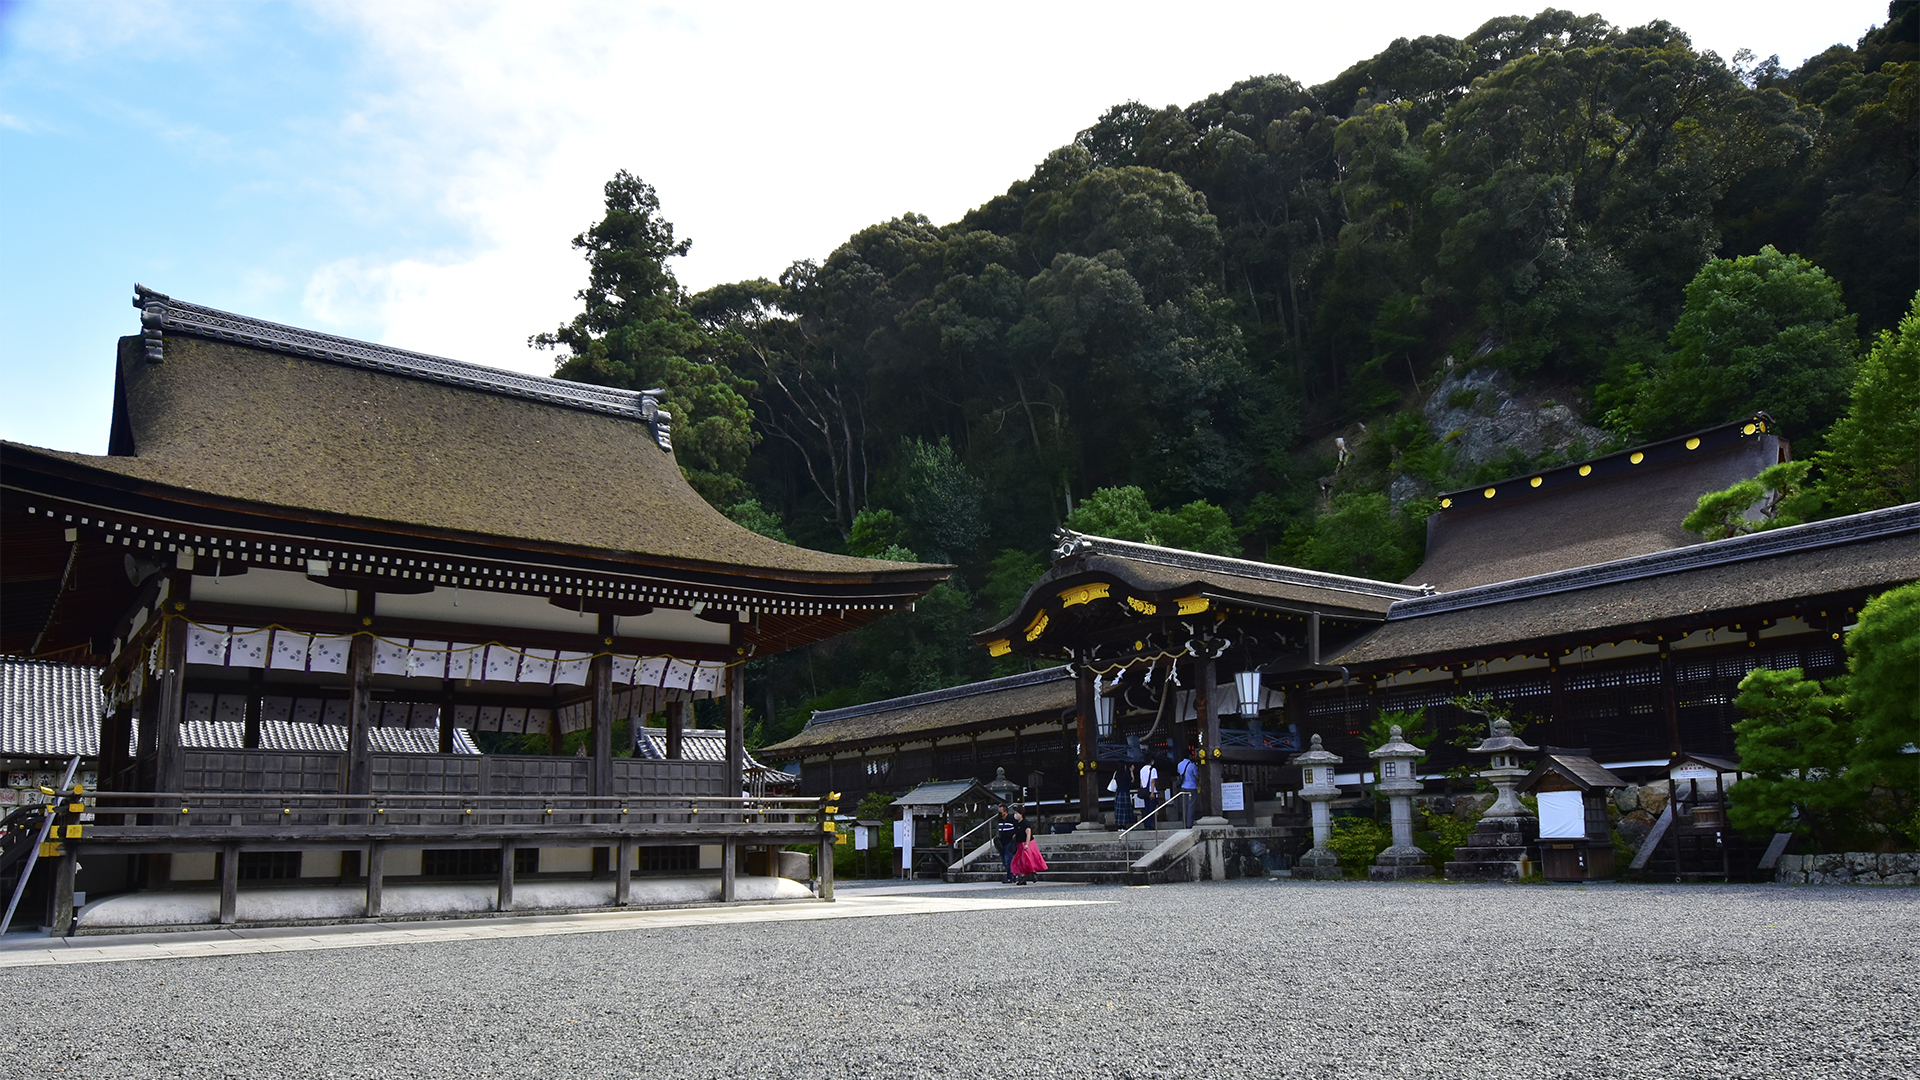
(1256, 978)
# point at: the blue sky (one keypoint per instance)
(411, 173)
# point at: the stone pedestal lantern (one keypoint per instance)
(1317, 787)
(1004, 789)
(1399, 784)
(1498, 847)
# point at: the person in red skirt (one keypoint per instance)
(1027, 860)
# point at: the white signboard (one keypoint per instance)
(1233, 796)
(1563, 815)
(903, 833)
(860, 842)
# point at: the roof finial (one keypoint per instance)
(657, 419)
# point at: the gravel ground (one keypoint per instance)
(1255, 978)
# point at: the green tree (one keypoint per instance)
(1361, 536)
(1760, 333)
(1872, 457)
(635, 332)
(1777, 494)
(1124, 513)
(1794, 741)
(1883, 696)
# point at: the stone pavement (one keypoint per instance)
(856, 900)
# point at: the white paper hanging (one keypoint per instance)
(465, 716)
(427, 660)
(290, 651)
(537, 720)
(248, 647)
(335, 712)
(230, 709)
(389, 657)
(652, 671)
(571, 668)
(329, 653)
(576, 717)
(199, 708)
(464, 661)
(501, 664)
(623, 669)
(424, 716)
(206, 645)
(537, 666)
(276, 710)
(513, 720)
(308, 710)
(488, 718)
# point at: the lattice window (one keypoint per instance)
(269, 865)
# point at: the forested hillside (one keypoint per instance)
(1462, 258)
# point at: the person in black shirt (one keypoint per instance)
(1022, 832)
(1003, 830)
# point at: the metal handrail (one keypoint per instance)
(1126, 842)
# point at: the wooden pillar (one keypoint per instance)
(737, 727)
(676, 723)
(729, 859)
(1089, 777)
(360, 701)
(60, 897)
(449, 716)
(556, 739)
(622, 872)
(504, 900)
(169, 761)
(376, 876)
(600, 679)
(1210, 741)
(1670, 702)
(229, 883)
(256, 690)
(823, 865)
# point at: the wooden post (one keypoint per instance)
(823, 869)
(229, 883)
(449, 719)
(676, 723)
(728, 867)
(1670, 702)
(170, 763)
(376, 876)
(556, 739)
(360, 701)
(1089, 775)
(60, 898)
(600, 678)
(737, 728)
(1210, 723)
(256, 688)
(504, 900)
(622, 872)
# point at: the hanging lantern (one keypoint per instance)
(1246, 685)
(1183, 709)
(1102, 709)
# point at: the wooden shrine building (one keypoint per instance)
(1570, 597)
(291, 528)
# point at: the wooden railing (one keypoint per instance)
(218, 815)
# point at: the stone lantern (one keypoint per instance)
(1498, 847)
(1004, 789)
(1317, 787)
(1399, 784)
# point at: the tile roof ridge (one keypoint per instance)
(161, 314)
(951, 693)
(1873, 524)
(1069, 543)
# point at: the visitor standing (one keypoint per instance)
(1003, 828)
(1122, 787)
(1026, 857)
(1190, 783)
(1150, 786)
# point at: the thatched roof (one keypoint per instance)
(1845, 556)
(488, 452)
(1607, 508)
(1015, 700)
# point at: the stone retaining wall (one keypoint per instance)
(1849, 868)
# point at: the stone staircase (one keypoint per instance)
(1101, 858)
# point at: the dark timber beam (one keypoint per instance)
(1210, 742)
(1089, 775)
(600, 680)
(170, 763)
(676, 725)
(737, 727)
(250, 730)
(503, 900)
(360, 701)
